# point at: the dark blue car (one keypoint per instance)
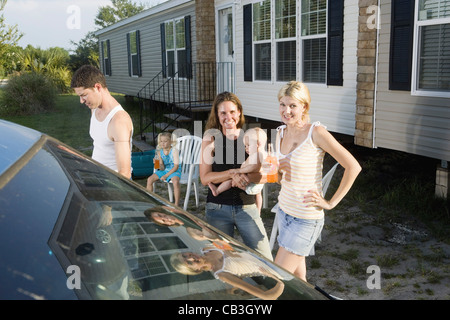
(72, 229)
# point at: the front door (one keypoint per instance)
(225, 66)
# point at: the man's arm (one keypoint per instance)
(120, 133)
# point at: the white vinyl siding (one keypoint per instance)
(406, 122)
(333, 106)
(148, 23)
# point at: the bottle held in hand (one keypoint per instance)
(156, 160)
(271, 165)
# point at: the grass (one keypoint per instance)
(69, 121)
(397, 187)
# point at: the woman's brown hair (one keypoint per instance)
(213, 120)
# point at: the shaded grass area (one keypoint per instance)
(396, 186)
(69, 120)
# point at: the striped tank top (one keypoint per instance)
(302, 171)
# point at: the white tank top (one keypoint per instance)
(104, 150)
(302, 172)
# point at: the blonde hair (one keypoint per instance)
(179, 264)
(171, 136)
(258, 133)
(300, 92)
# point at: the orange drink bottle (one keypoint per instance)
(272, 175)
(156, 160)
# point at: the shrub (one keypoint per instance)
(28, 93)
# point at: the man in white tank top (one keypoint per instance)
(111, 127)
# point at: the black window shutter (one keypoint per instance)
(109, 58)
(248, 70)
(187, 31)
(400, 55)
(129, 54)
(102, 56)
(335, 50)
(163, 50)
(138, 49)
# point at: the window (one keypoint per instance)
(282, 49)
(314, 28)
(285, 35)
(134, 56)
(262, 40)
(176, 39)
(431, 66)
(106, 58)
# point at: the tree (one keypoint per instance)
(9, 37)
(87, 50)
(120, 10)
(51, 63)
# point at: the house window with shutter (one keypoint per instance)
(287, 39)
(134, 59)
(175, 48)
(431, 68)
(106, 57)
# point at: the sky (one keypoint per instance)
(54, 23)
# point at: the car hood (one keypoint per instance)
(15, 141)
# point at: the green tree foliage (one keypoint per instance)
(119, 10)
(9, 36)
(52, 63)
(87, 50)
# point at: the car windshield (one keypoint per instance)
(100, 236)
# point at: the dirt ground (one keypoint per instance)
(358, 259)
(411, 264)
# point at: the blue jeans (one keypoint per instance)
(248, 221)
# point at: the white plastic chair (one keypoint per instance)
(325, 184)
(189, 148)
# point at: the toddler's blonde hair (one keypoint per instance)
(257, 133)
(171, 136)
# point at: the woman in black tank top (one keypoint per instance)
(222, 151)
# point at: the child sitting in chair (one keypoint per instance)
(169, 164)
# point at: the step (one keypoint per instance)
(165, 126)
(142, 145)
(177, 117)
(196, 107)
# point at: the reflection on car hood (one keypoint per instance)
(71, 228)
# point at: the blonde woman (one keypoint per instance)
(301, 147)
(170, 169)
(231, 267)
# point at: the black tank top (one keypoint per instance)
(229, 154)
